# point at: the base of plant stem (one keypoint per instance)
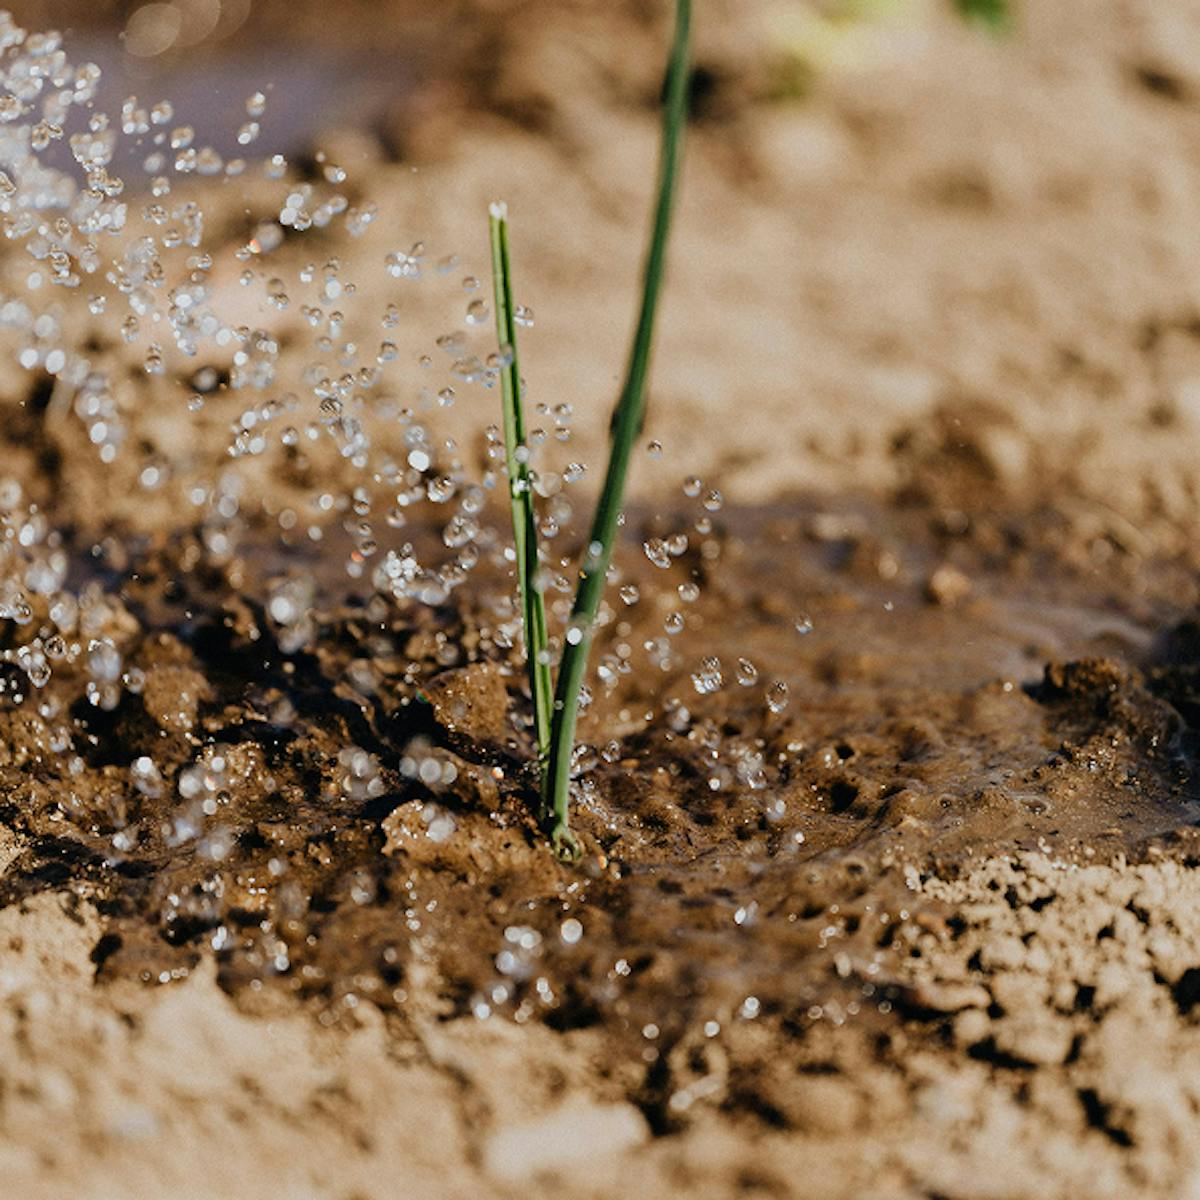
(566, 845)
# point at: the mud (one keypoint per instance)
(370, 804)
(787, 918)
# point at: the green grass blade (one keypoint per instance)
(533, 608)
(628, 418)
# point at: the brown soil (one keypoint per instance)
(898, 897)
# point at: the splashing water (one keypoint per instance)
(314, 356)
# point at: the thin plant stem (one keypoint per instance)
(525, 541)
(627, 422)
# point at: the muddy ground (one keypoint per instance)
(887, 790)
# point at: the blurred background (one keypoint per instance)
(364, 60)
(912, 231)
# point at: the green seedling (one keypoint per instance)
(627, 422)
(524, 519)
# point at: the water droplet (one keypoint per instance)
(440, 489)
(657, 552)
(709, 678)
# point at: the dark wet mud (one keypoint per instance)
(856, 692)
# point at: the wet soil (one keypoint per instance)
(883, 899)
(363, 808)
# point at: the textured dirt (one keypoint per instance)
(929, 928)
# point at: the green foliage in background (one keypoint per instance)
(995, 15)
(813, 38)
